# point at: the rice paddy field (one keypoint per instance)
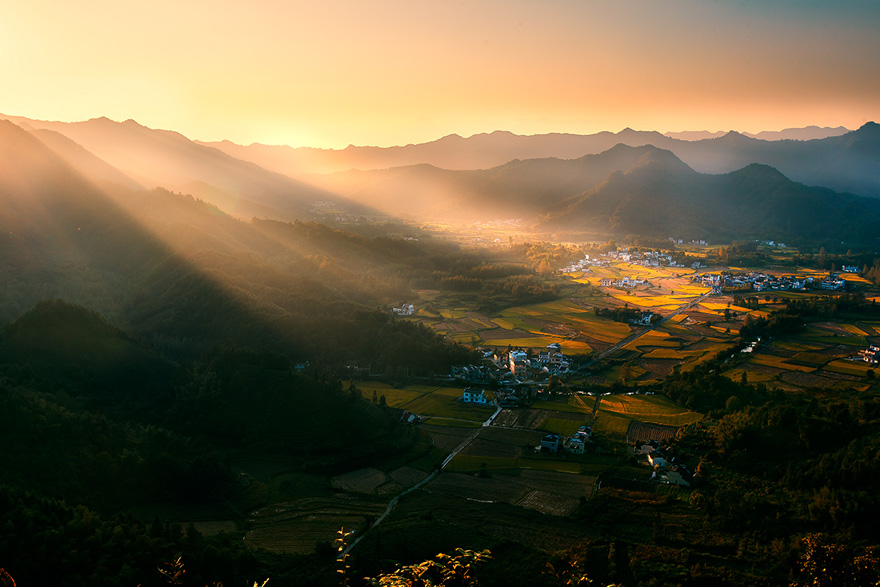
(437, 405)
(689, 338)
(822, 355)
(651, 409)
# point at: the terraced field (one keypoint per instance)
(618, 412)
(296, 527)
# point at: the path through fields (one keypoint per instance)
(426, 480)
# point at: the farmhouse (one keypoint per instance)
(576, 446)
(656, 460)
(518, 363)
(404, 310)
(472, 396)
(833, 282)
(676, 476)
(871, 354)
(644, 319)
(550, 443)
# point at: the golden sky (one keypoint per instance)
(339, 72)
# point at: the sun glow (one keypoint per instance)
(388, 72)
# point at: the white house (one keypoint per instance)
(656, 460)
(472, 396)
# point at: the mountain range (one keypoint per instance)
(806, 133)
(133, 155)
(724, 188)
(847, 162)
(624, 190)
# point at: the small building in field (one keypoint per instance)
(550, 443)
(656, 460)
(676, 476)
(473, 396)
(404, 310)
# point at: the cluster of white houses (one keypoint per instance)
(514, 366)
(404, 310)
(764, 282)
(625, 282)
(644, 258)
(666, 470)
(575, 444)
(550, 361)
(871, 354)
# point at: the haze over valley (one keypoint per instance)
(381, 294)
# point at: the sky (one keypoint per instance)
(392, 72)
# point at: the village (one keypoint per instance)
(754, 281)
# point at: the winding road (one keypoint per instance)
(426, 480)
(471, 437)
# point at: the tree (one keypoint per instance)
(441, 571)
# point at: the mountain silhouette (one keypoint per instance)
(161, 158)
(662, 197)
(799, 153)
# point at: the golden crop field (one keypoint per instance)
(853, 329)
(724, 330)
(532, 341)
(779, 363)
(601, 329)
(669, 353)
(505, 324)
(854, 278)
(654, 338)
(858, 368)
(664, 301)
(451, 314)
(653, 409)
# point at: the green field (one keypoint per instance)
(437, 403)
(560, 426)
(573, 403)
(779, 363)
(858, 368)
(616, 412)
(471, 463)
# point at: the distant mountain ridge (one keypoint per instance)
(831, 161)
(133, 155)
(625, 190)
(261, 180)
(661, 196)
(807, 133)
(546, 192)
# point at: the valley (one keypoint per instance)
(501, 491)
(207, 359)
